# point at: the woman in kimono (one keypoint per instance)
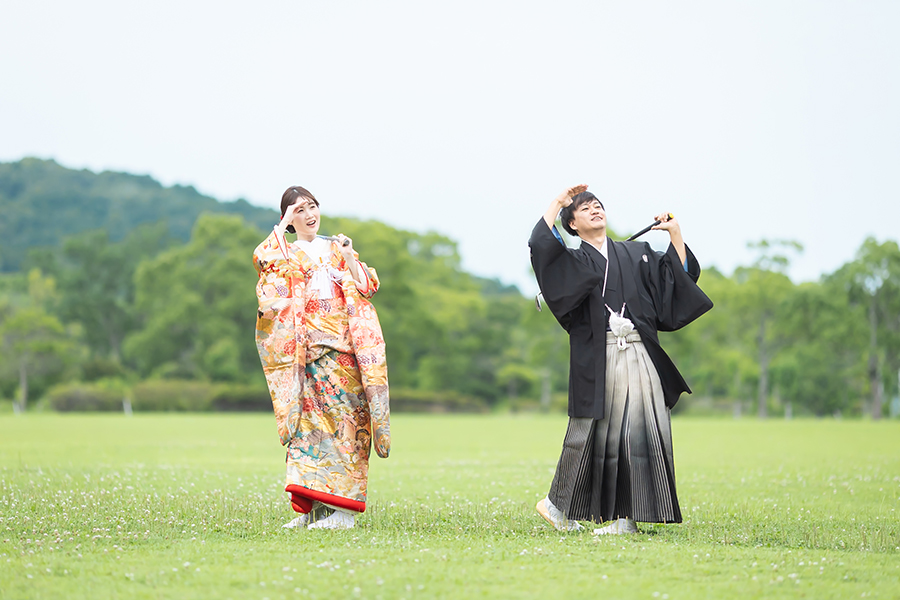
(323, 355)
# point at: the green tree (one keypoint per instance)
(445, 329)
(195, 306)
(96, 283)
(821, 369)
(760, 306)
(37, 349)
(712, 352)
(872, 281)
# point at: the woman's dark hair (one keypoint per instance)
(290, 196)
(568, 213)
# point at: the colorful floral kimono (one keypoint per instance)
(323, 355)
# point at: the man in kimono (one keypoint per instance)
(616, 465)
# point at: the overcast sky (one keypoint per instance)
(775, 119)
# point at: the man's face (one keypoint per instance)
(589, 218)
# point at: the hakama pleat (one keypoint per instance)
(621, 466)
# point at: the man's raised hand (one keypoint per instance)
(667, 222)
(562, 201)
(565, 198)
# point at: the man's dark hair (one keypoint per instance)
(290, 196)
(568, 212)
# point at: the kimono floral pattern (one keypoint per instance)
(324, 361)
(330, 453)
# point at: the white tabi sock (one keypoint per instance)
(555, 517)
(339, 519)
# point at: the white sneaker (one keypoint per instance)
(555, 517)
(301, 521)
(617, 527)
(339, 519)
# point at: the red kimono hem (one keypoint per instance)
(302, 500)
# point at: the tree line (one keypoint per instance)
(164, 321)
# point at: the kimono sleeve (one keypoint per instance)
(273, 267)
(370, 280)
(677, 298)
(564, 280)
(280, 351)
(369, 348)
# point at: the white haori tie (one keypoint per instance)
(620, 326)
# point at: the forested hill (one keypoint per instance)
(42, 203)
(121, 301)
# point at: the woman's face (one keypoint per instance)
(306, 219)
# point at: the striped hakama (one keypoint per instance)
(621, 466)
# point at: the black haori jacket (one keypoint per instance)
(658, 293)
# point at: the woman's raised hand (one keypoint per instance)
(345, 245)
(289, 215)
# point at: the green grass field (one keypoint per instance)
(192, 506)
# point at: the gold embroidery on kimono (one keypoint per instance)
(324, 361)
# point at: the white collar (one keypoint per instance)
(317, 249)
(603, 250)
(318, 240)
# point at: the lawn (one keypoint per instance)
(191, 506)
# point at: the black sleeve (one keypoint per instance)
(565, 281)
(676, 297)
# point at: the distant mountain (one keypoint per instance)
(42, 202)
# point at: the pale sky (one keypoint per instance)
(774, 119)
